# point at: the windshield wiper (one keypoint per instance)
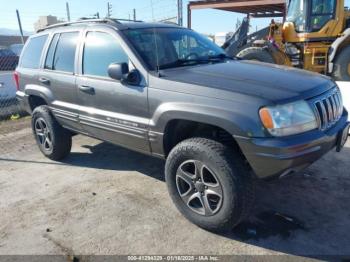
(184, 62)
(224, 56)
(219, 56)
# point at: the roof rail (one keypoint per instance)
(88, 20)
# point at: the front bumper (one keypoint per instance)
(271, 157)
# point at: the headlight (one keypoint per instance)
(288, 119)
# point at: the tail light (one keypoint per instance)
(16, 78)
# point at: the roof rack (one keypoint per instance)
(88, 20)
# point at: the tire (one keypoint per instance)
(256, 53)
(233, 181)
(341, 70)
(53, 140)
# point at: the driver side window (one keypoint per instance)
(100, 50)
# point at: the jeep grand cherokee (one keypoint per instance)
(169, 92)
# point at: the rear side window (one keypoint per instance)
(64, 55)
(32, 52)
(51, 52)
(100, 50)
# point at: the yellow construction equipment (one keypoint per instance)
(315, 35)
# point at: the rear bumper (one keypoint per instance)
(271, 157)
(23, 101)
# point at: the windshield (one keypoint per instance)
(173, 47)
(297, 14)
(321, 11)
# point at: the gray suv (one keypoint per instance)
(169, 92)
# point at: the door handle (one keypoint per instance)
(44, 80)
(87, 89)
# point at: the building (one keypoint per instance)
(45, 21)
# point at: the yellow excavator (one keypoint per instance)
(315, 36)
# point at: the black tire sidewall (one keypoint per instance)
(60, 138)
(341, 63)
(256, 53)
(37, 114)
(225, 217)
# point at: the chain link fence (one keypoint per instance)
(9, 107)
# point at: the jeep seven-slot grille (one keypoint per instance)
(328, 109)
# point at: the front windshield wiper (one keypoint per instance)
(202, 60)
(219, 56)
(224, 56)
(184, 62)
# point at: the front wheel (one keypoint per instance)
(209, 183)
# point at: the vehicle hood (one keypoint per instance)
(272, 82)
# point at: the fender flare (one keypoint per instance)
(214, 116)
(334, 48)
(40, 91)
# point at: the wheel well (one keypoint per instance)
(342, 46)
(178, 130)
(35, 101)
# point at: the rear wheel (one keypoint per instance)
(257, 54)
(209, 183)
(53, 140)
(341, 71)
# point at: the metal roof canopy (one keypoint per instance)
(253, 8)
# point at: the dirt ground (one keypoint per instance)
(104, 199)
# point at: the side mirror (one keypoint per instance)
(118, 71)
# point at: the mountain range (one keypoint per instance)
(8, 31)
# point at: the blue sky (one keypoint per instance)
(204, 21)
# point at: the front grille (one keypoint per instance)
(328, 108)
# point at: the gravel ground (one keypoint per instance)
(104, 199)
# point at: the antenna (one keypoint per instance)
(109, 9)
(155, 40)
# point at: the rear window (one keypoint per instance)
(32, 52)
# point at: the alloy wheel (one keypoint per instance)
(43, 134)
(199, 188)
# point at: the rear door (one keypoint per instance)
(59, 76)
(110, 110)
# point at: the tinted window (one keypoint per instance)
(322, 11)
(51, 52)
(103, 48)
(32, 52)
(173, 47)
(65, 52)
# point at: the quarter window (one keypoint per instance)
(100, 50)
(32, 53)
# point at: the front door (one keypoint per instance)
(110, 110)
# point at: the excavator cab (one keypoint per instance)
(310, 16)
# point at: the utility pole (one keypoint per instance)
(67, 10)
(179, 13)
(20, 25)
(109, 9)
(134, 14)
